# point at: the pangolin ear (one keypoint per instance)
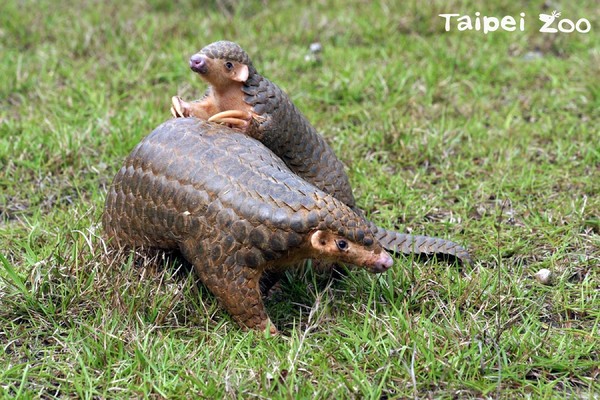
(318, 239)
(241, 73)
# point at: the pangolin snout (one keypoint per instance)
(198, 63)
(383, 262)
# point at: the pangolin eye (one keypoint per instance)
(342, 244)
(229, 65)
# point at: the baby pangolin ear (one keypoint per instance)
(241, 73)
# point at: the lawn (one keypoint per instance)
(491, 140)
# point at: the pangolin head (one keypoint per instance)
(225, 50)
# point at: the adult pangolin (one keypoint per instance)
(240, 97)
(234, 210)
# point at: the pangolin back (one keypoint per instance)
(188, 173)
(286, 131)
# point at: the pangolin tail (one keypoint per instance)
(396, 243)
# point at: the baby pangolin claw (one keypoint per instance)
(179, 107)
(233, 118)
(244, 121)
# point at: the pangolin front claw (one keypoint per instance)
(245, 121)
(179, 107)
(234, 118)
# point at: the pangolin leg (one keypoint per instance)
(242, 298)
(237, 288)
(234, 118)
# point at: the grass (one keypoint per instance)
(491, 140)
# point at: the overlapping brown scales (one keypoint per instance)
(286, 131)
(226, 51)
(189, 176)
(229, 204)
(290, 135)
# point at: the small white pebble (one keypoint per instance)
(544, 276)
(533, 55)
(316, 47)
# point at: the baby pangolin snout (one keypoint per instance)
(198, 63)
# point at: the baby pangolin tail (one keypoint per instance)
(395, 242)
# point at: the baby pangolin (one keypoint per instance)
(234, 210)
(240, 97)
